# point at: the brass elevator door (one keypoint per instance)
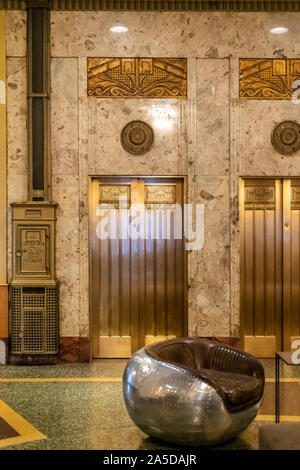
(137, 282)
(270, 264)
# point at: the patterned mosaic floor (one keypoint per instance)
(78, 406)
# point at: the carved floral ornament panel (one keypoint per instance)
(259, 197)
(268, 79)
(137, 78)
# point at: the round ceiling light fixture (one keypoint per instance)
(118, 29)
(279, 30)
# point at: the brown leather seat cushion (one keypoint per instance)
(237, 376)
(237, 388)
(177, 353)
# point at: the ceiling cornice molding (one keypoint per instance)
(163, 5)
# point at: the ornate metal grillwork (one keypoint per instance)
(268, 79)
(137, 77)
(34, 320)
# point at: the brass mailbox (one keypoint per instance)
(34, 244)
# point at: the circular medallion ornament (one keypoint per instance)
(137, 137)
(286, 137)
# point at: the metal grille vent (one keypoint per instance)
(52, 320)
(33, 331)
(34, 320)
(16, 319)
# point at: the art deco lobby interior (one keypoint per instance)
(120, 118)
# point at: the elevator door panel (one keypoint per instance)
(137, 294)
(270, 264)
(261, 261)
(291, 262)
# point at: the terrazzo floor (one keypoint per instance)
(77, 406)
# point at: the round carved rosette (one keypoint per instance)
(137, 137)
(286, 137)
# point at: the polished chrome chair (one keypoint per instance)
(192, 391)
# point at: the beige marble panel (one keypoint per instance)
(16, 116)
(213, 264)
(83, 218)
(257, 155)
(234, 206)
(209, 311)
(209, 308)
(64, 116)
(16, 33)
(17, 164)
(213, 192)
(212, 117)
(65, 193)
(16, 192)
(205, 34)
(82, 71)
(234, 79)
(64, 129)
(106, 120)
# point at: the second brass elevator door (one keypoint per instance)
(270, 264)
(137, 283)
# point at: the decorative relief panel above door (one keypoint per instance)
(137, 78)
(268, 79)
(114, 195)
(160, 196)
(260, 196)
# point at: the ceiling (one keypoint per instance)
(158, 5)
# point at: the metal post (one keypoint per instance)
(38, 54)
(277, 383)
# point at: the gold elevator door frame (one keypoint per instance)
(270, 264)
(137, 285)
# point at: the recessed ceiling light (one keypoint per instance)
(279, 30)
(119, 29)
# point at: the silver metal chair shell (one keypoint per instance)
(169, 403)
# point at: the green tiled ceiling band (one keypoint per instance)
(163, 5)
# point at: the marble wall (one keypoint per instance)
(213, 137)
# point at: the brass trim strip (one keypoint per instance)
(58, 379)
(283, 418)
(285, 379)
(97, 379)
(162, 5)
